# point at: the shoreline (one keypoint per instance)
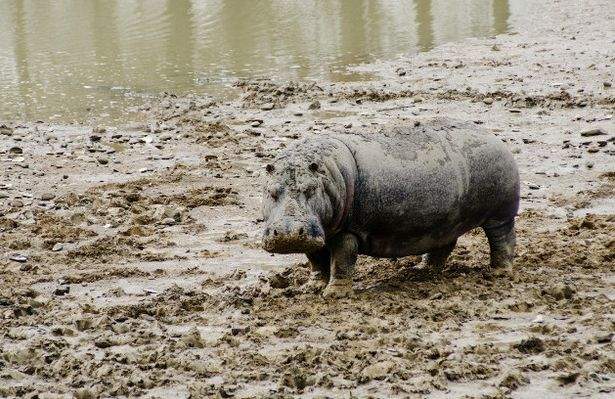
(141, 271)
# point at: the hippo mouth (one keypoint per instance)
(286, 244)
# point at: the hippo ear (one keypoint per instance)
(269, 168)
(314, 167)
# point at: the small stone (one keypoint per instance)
(298, 113)
(62, 290)
(417, 100)
(594, 132)
(47, 196)
(102, 160)
(57, 247)
(607, 84)
(95, 138)
(534, 187)
(99, 130)
(314, 105)
(18, 258)
(168, 221)
(15, 150)
(267, 106)
(348, 125)
(16, 203)
(256, 123)
(604, 338)
(400, 71)
(514, 111)
(589, 165)
(488, 100)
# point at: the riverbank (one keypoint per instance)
(131, 263)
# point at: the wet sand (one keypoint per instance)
(131, 262)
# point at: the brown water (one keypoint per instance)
(73, 59)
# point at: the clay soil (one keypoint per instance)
(131, 263)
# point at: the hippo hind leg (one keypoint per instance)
(501, 243)
(435, 260)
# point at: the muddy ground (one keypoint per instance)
(131, 262)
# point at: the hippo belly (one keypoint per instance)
(419, 192)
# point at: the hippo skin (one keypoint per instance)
(406, 190)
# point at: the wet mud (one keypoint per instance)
(131, 263)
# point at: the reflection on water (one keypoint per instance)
(75, 57)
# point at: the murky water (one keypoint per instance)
(74, 59)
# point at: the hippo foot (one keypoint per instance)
(316, 283)
(341, 288)
(502, 268)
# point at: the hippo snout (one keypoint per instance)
(286, 236)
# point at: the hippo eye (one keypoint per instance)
(309, 191)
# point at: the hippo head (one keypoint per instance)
(296, 205)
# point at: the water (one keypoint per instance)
(64, 59)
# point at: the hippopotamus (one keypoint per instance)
(408, 189)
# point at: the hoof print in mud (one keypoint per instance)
(407, 190)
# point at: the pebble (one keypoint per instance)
(47, 196)
(16, 150)
(57, 247)
(314, 105)
(102, 160)
(488, 100)
(267, 106)
(298, 113)
(16, 203)
(18, 258)
(256, 123)
(62, 290)
(594, 132)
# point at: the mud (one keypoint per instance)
(131, 262)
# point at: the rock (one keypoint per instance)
(168, 221)
(400, 72)
(16, 203)
(594, 132)
(47, 196)
(377, 371)
(57, 247)
(256, 122)
(314, 105)
(488, 100)
(298, 113)
(607, 84)
(267, 106)
(95, 138)
(102, 160)
(62, 290)
(18, 258)
(604, 338)
(5, 130)
(99, 130)
(15, 150)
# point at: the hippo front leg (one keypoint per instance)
(320, 264)
(344, 250)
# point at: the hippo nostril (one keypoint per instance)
(301, 231)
